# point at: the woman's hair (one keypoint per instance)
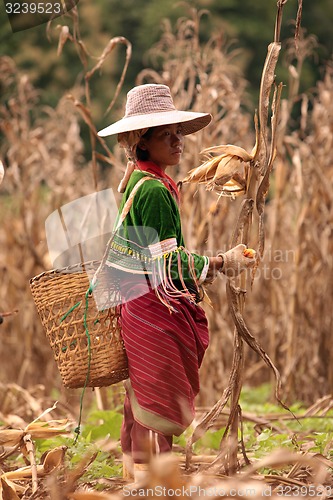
(129, 141)
(142, 154)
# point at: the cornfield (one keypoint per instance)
(289, 304)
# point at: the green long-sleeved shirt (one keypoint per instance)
(151, 235)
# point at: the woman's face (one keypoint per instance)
(164, 145)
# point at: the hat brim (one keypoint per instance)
(191, 122)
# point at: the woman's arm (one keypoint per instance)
(158, 210)
(175, 262)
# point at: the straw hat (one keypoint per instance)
(151, 105)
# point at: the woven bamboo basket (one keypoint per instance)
(85, 339)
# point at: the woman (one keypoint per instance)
(164, 329)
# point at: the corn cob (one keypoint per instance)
(249, 252)
(226, 173)
(226, 168)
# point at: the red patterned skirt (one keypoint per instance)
(165, 350)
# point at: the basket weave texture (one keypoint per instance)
(86, 332)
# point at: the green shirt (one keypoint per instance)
(150, 238)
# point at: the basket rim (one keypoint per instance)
(79, 267)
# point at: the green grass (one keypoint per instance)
(99, 427)
(313, 433)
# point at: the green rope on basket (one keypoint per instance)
(91, 288)
(70, 310)
(64, 349)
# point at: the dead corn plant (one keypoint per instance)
(13, 440)
(307, 348)
(233, 172)
(205, 77)
(39, 153)
(42, 152)
(299, 219)
(274, 311)
(42, 148)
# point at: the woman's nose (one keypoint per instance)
(177, 138)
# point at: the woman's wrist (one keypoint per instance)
(221, 259)
(216, 263)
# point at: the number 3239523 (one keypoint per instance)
(33, 8)
(305, 490)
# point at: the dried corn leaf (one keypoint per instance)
(230, 149)
(267, 80)
(8, 490)
(45, 412)
(23, 473)
(13, 437)
(204, 172)
(40, 430)
(53, 459)
(106, 52)
(228, 166)
(10, 437)
(112, 43)
(251, 341)
(85, 113)
(2, 171)
(36, 425)
(63, 37)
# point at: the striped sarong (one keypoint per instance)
(165, 351)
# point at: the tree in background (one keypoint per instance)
(247, 24)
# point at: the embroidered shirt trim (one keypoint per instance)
(162, 247)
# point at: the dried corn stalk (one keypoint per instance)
(225, 174)
(23, 439)
(42, 154)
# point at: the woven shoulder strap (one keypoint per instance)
(124, 212)
(128, 204)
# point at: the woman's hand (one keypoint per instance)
(236, 261)
(230, 263)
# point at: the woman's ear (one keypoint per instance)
(142, 145)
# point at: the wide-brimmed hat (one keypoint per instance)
(151, 105)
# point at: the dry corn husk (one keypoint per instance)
(8, 489)
(37, 430)
(2, 171)
(228, 172)
(51, 461)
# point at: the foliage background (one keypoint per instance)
(247, 25)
